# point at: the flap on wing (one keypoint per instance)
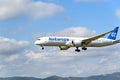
(87, 41)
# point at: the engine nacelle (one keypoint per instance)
(77, 42)
(73, 43)
(70, 43)
(63, 47)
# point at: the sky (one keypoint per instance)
(23, 21)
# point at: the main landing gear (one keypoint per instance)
(78, 50)
(84, 48)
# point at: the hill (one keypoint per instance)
(114, 76)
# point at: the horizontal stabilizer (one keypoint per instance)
(117, 41)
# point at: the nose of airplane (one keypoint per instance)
(36, 43)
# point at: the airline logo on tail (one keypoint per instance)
(113, 34)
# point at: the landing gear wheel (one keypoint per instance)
(84, 48)
(42, 48)
(77, 50)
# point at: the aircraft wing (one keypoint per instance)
(87, 41)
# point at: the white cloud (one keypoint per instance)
(34, 55)
(99, 61)
(102, 60)
(70, 32)
(77, 32)
(11, 46)
(118, 13)
(12, 58)
(1, 66)
(36, 9)
(47, 73)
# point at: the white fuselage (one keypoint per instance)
(68, 41)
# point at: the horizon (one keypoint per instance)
(61, 76)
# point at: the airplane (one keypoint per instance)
(65, 43)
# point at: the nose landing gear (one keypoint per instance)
(42, 47)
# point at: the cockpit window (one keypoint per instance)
(38, 39)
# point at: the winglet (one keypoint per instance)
(113, 34)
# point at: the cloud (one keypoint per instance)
(12, 58)
(69, 32)
(77, 32)
(35, 9)
(34, 55)
(89, 0)
(11, 46)
(104, 59)
(118, 13)
(67, 19)
(101, 61)
(47, 73)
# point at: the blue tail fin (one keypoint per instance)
(113, 34)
